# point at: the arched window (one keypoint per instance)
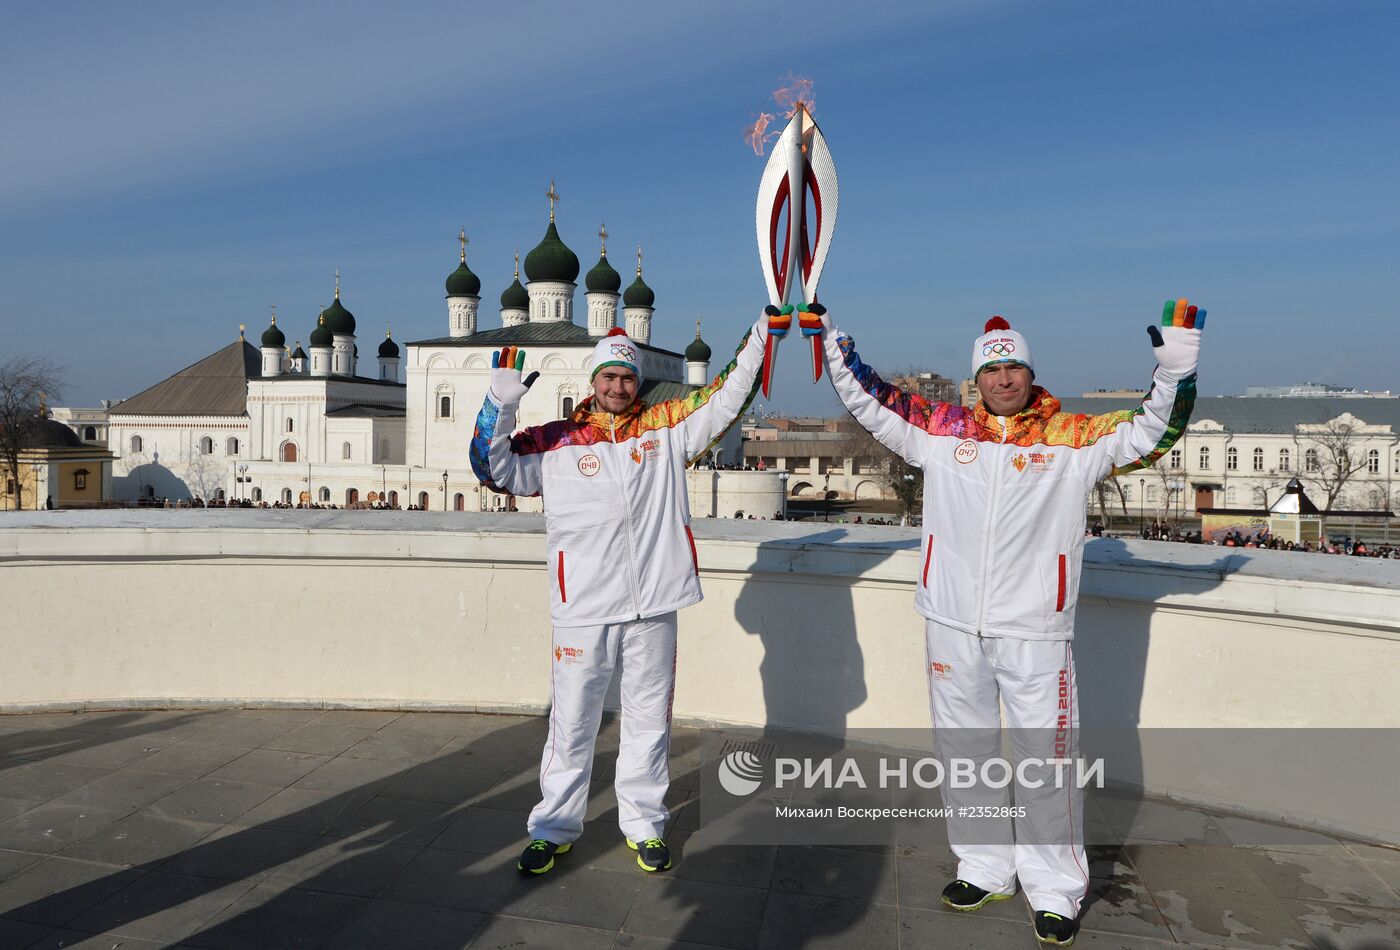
(135, 443)
(1373, 462)
(1230, 495)
(1176, 458)
(289, 451)
(257, 494)
(393, 499)
(1232, 458)
(232, 447)
(1259, 460)
(345, 450)
(567, 406)
(459, 502)
(423, 501)
(352, 496)
(325, 494)
(444, 407)
(206, 446)
(90, 433)
(220, 495)
(286, 496)
(290, 427)
(1285, 460)
(1205, 458)
(1310, 460)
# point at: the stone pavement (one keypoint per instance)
(269, 828)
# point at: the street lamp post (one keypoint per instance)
(826, 498)
(783, 478)
(1142, 514)
(242, 477)
(444, 491)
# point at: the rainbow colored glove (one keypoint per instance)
(1178, 342)
(507, 364)
(809, 319)
(779, 322)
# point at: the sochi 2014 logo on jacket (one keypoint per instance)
(1037, 462)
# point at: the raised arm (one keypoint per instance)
(705, 415)
(1143, 435)
(497, 458)
(895, 418)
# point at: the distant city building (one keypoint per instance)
(931, 386)
(1115, 394)
(1314, 390)
(967, 393)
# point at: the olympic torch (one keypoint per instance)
(792, 248)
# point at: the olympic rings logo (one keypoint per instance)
(999, 349)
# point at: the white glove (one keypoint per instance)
(506, 384)
(1177, 343)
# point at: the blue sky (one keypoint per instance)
(170, 170)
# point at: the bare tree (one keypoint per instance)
(1331, 455)
(24, 383)
(1107, 488)
(894, 474)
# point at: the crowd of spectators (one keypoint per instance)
(1162, 531)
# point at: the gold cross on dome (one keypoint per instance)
(462, 237)
(603, 236)
(274, 313)
(337, 283)
(553, 195)
(639, 260)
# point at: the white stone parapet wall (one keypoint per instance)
(551, 301)
(803, 626)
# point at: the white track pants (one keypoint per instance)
(582, 663)
(1034, 679)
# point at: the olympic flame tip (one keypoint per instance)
(795, 94)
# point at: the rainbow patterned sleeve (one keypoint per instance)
(672, 412)
(935, 418)
(1080, 431)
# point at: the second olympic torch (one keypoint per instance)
(793, 239)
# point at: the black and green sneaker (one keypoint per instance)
(538, 856)
(961, 895)
(652, 854)
(1052, 928)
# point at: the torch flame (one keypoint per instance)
(794, 95)
(757, 135)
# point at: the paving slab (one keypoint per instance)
(50, 828)
(720, 915)
(383, 924)
(1338, 927)
(56, 890)
(161, 906)
(272, 918)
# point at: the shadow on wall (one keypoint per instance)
(151, 480)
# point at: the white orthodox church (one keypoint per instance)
(272, 424)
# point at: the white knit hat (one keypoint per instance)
(616, 349)
(1000, 344)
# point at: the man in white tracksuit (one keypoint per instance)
(1006, 485)
(621, 563)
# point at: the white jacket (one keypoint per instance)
(1004, 497)
(617, 515)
